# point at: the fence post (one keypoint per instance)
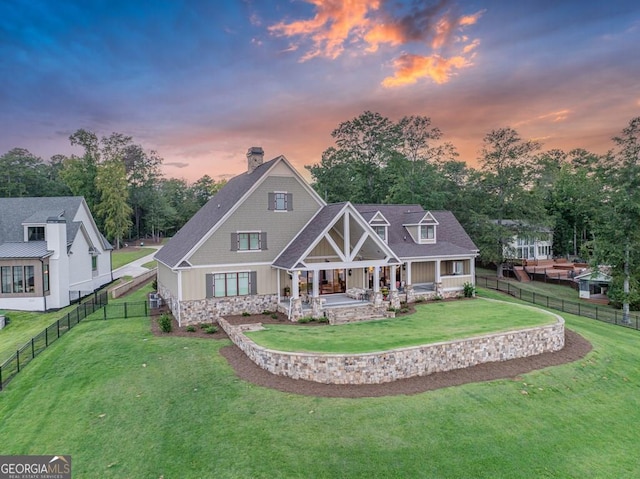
(547, 301)
(58, 327)
(562, 305)
(146, 312)
(18, 359)
(33, 352)
(0, 378)
(125, 310)
(533, 298)
(46, 337)
(596, 313)
(105, 313)
(579, 310)
(68, 321)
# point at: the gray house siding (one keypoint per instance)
(255, 215)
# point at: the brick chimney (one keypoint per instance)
(255, 157)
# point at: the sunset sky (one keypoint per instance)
(202, 81)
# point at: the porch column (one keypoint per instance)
(316, 300)
(316, 284)
(408, 285)
(295, 312)
(438, 279)
(376, 279)
(295, 284)
(472, 269)
(408, 282)
(394, 297)
(377, 295)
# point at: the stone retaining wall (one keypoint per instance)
(376, 368)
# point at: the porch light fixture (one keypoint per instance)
(349, 272)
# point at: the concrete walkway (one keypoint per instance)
(135, 268)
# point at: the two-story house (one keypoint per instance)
(51, 252)
(268, 241)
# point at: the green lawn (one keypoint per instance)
(558, 291)
(120, 258)
(126, 404)
(433, 322)
(24, 326)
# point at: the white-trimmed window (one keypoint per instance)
(280, 201)
(427, 233)
(457, 267)
(221, 285)
(36, 233)
(381, 231)
(249, 241)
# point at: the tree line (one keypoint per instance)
(120, 181)
(590, 201)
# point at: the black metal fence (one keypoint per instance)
(89, 305)
(600, 313)
(137, 309)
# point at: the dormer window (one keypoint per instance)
(35, 233)
(381, 231)
(427, 233)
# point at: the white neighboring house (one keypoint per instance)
(50, 252)
(530, 247)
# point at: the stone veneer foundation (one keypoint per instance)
(387, 366)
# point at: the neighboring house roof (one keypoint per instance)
(451, 238)
(31, 249)
(37, 210)
(596, 276)
(16, 211)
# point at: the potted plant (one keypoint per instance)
(287, 291)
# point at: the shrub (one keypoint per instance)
(305, 320)
(246, 313)
(266, 312)
(211, 329)
(469, 290)
(323, 319)
(404, 310)
(274, 316)
(154, 285)
(191, 328)
(164, 322)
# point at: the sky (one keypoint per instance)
(200, 82)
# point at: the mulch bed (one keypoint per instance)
(576, 347)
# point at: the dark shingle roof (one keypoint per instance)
(15, 211)
(451, 238)
(209, 215)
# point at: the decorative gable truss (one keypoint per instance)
(345, 241)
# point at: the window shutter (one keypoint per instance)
(234, 241)
(289, 201)
(272, 201)
(263, 240)
(209, 283)
(253, 277)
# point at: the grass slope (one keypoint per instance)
(432, 322)
(127, 404)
